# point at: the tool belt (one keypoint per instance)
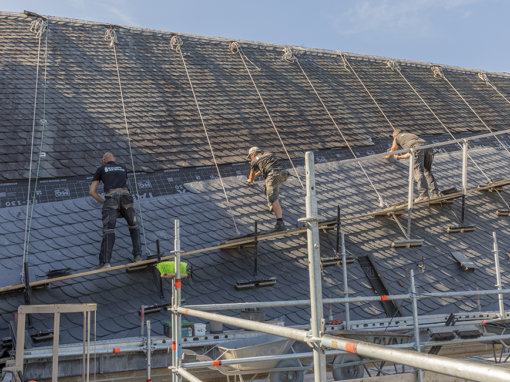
(117, 191)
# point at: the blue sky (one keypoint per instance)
(467, 33)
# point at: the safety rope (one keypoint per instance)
(484, 78)
(39, 28)
(437, 69)
(394, 66)
(346, 62)
(111, 36)
(289, 56)
(235, 48)
(175, 45)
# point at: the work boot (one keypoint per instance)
(421, 198)
(436, 195)
(138, 258)
(279, 226)
(103, 266)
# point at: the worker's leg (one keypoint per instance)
(109, 214)
(427, 166)
(277, 209)
(418, 175)
(128, 212)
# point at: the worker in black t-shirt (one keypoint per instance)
(267, 165)
(118, 202)
(422, 169)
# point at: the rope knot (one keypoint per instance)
(438, 72)
(483, 77)
(39, 27)
(111, 36)
(344, 61)
(393, 65)
(175, 43)
(234, 47)
(288, 55)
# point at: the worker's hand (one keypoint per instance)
(249, 182)
(396, 157)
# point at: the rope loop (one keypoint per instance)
(288, 55)
(176, 43)
(234, 47)
(39, 27)
(437, 71)
(111, 36)
(483, 77)
(393, 65)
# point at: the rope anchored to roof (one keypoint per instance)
(111, 36)
(40, 27)
(484, 78)
(288, 53)
(443, 76)
(351, 69)
(175, 45)
(235, 48)
(399, 71)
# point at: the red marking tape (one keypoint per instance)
(186, 311)
(384, 298)
(116, 350)
(350, 347)
(174, 346)
(178, 283)
(484, 321)
(216, 363)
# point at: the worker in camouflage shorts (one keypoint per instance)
(267, 165)
(422, 170)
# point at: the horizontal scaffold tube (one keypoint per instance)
(438, 364)
(429, 146)
(341, 300)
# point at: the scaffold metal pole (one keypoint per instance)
(312, 232)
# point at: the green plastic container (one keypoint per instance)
(169, 267)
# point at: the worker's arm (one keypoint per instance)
(253, 174)
(93, 191)
(405, 156)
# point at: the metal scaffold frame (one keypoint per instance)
(316, 337)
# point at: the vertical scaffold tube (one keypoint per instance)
(312, 232)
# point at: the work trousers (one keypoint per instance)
(422, 172)
(115, 206)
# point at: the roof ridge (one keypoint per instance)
(265, 44)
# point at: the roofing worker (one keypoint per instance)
(422, 170)
(118, 202)
(267, 165)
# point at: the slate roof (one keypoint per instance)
(178, 180)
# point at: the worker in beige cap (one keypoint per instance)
(267, 165)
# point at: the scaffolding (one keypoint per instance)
(316, 338)
(322, 344)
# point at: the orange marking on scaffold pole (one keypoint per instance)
(178, 283)
(174, 346)
(484, 321)
(116, 350)
(384, 298)
(186, 311)
(350, 347)
(216, 363)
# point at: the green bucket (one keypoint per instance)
(169, 267)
